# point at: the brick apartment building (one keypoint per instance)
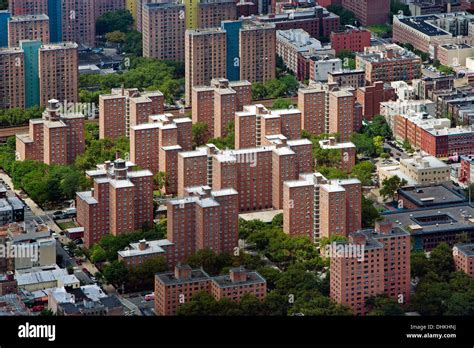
(388, 63)
(316, 207)
(354, 40)
(155, 145)
(326, 108)
(369, 12)
(434, 135)
(256, 173)
(370, 97)
(35, 73)
(382, 266)
(215, 105)
(463, 255)
(125, 108)
(316, 21)
(347, 78)
(175, 288)
(28, 27)
(56, 138)
(256, 123)
(347, 151)
(163, 27)
(120, 201)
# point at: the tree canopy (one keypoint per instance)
(120, 20)
(144, 74)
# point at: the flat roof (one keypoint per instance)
(426, 196)
(434, 220)
(169, 278)
(421, 24)
(466, 249)
(265, 216)
(224, 281)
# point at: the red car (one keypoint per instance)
(37, 308)
(78, 262)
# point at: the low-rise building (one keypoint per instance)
(388, 63)
(45, 277)
(172, 289)
(463, 255)
(347, 150)
(425, 170)
(82, 301)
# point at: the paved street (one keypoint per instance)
(35, 213)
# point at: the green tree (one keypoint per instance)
(116, 37)
(390, 186)
(384, 306)
(116, 273)
(114, 21)
(281, 103)
(199, 132)
(97, 253)
(363, 171)
(160, 180)
(346, 17)
(368, 212)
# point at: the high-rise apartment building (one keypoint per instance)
(56, 138)
(28, 27)
(124, 108)
(4, 18)
(316, 207)
(212, 12)
(28, 7)
(347, 151)
(341, 113)
(155, 146)
(58, 72)
(121, 201)
(205, 58)
(163, 28)
(215, 105)
(255, 125)
(257, 52)
(78, 21)
(369, 12)
(203, 219)
(42, 72)
(373, 262)
(12, 78)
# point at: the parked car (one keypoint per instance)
(150, 297)
(37, 308)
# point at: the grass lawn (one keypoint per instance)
(66, 224)
(380, 28)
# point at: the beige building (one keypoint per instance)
(28, 27)
(416, 170)
(454, 55)
(425, 170)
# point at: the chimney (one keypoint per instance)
(332, 141)
(182, 272)
(107, 165)
(142, 244)
(238, 275)
(357, 238)
(383, 227)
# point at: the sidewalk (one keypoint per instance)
(35, 209)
